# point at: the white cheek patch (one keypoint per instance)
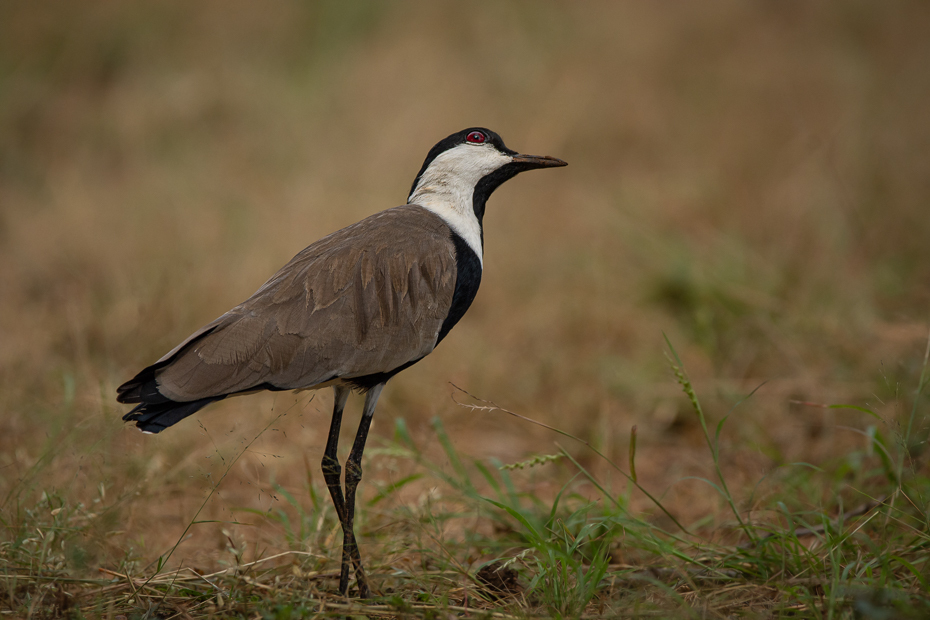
(447, 186)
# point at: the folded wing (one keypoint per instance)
(366, 300)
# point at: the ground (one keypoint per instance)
(721, 304)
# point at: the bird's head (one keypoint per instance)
(465, 168)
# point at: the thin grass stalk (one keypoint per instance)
(682, 378)
(490, 406)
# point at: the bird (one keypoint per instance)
(350, 311)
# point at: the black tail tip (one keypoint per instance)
(155, 417)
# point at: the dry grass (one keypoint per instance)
(749, 180)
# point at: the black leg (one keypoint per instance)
(353, 476)
(332, 473)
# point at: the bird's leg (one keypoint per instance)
(332, 473)
(353, 476)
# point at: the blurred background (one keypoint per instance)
(751, 181)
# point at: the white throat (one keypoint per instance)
(447, 187)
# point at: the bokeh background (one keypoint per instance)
(749, 180)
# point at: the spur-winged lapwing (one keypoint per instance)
(350, 311)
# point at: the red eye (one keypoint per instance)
(476, 137)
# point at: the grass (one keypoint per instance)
(478, 543)
(749, 181)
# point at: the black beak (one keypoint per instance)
(530, 162)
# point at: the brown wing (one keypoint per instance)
(364, 300)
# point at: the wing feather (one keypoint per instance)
(366, 299)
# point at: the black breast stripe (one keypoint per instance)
(467, 280)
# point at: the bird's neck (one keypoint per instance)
(454, 203)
